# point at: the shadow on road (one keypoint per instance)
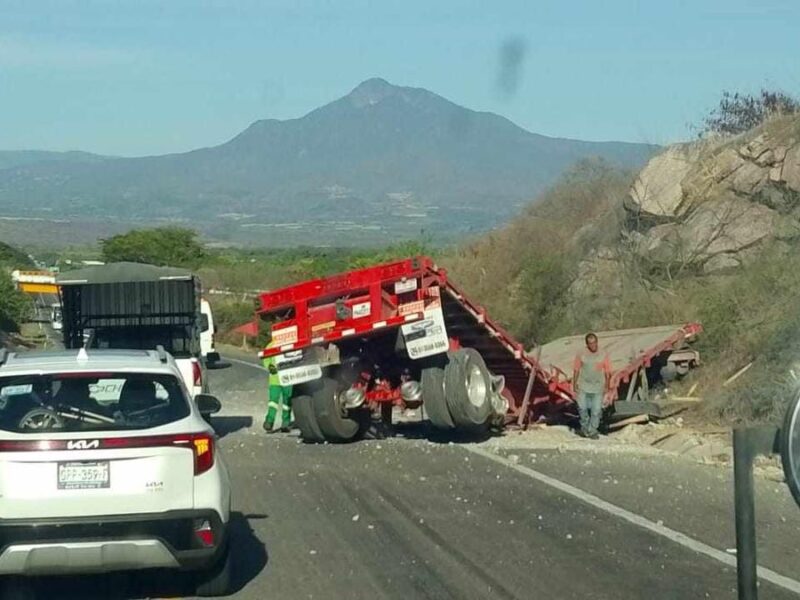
(250, 558)
(227, 425)
(423, 430)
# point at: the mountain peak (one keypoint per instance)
(372, 91)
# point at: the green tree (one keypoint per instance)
(173, 246)
(15, 307)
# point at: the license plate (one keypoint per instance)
(301, 374)
(83, 475)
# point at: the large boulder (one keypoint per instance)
(722, 227)
(657, 190)
(790, 171)
(717, 201)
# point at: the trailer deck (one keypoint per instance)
(628, 349)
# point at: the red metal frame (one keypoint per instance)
(365, 301)
(371, 302)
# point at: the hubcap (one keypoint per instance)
(476, 386)
(42, 420)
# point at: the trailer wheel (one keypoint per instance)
(433, 398)
(303, 407)
(468, 389)
(333, 423)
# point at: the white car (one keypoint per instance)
(208, 350)
(106, 464)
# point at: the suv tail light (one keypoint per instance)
(201, 445)
(203, 453)
(197, 374)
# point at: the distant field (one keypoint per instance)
(60, 233)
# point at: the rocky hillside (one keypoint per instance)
(714, 204)
(707, 231)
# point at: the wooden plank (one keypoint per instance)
(643, 392)
(632, 386)
(738, 374)
(636, 419)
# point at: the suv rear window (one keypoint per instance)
(90, 402)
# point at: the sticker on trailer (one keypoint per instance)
(287, 335)
(300, 374)
(328, 325)
(411, 308)
(295, 368)
(364, 309)
(287, 359)
(402, 287)
(426, 337)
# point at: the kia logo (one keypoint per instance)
(83, 444)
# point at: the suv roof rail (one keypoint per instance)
(3, 356)
(162, 354)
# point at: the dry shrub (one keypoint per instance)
(522, 272)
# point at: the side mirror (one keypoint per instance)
(214, 361)
(204, 325)
(790, 448)
(207, 404)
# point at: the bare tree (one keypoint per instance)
(737, 113)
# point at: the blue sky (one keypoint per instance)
(146, 77)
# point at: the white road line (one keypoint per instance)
(675, 536)
(245, 363)
(661, 530)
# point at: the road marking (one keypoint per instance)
(675, 536)
(661, 530)
(245, 363)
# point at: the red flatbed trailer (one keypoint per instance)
(374, 318)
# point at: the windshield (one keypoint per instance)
(89, 402)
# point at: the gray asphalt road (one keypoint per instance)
(412, 518)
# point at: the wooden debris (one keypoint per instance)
(738, 374)
(636, 419)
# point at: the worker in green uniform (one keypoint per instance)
(591, 380)
(280, 398)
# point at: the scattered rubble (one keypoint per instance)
(669, 437)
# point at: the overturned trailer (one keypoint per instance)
(403, 334)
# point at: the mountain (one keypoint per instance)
(382, 162)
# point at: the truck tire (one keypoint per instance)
(335, 427)
(306, 420)
(468, 389)
(433, 398)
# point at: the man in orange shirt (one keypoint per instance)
(590, 382)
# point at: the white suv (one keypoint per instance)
(106, 464)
